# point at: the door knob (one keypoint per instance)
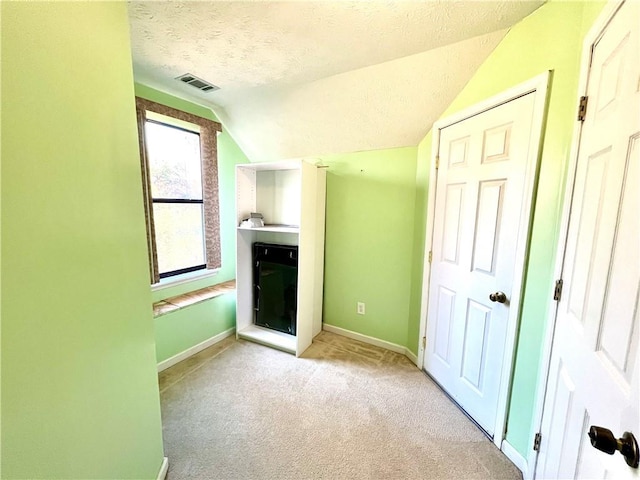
(603, 440)
(499, 297)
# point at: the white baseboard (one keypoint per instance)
(170, 362)
(517, 459)
(394, 347)
(162, 474)
(411, 356)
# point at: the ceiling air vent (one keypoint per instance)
(197, 82)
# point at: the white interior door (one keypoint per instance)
(481, 212)
(593, 376)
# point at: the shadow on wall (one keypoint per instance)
(369, 241)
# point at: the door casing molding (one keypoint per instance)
(592, 36)
(540, 86)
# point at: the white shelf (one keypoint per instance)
(272, 228)
(270, 338)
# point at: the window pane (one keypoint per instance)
(179, 235)
(174, 162)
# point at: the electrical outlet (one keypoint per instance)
(360, 309)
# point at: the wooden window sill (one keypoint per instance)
(179, 302)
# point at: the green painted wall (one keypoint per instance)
(369, 241)
(79, 385)
(180, 330)
(549, 39)
(177, 331)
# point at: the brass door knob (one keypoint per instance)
(603, 440)
(499, 297)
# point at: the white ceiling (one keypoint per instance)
(306, 78)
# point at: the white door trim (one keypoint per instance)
(539, 85)
(543, 369)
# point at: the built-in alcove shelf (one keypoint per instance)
(270, 338)
(290, 195)
(178, 302)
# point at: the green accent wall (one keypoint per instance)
(79, 384)
(369, 241)
(180, 330)
(549, 39)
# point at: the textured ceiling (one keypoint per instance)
(319, 77)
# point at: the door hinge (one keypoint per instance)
(424, 342)
(430, 255)
(536, 442)
(437, 162)
(557, 292)
(582, 108)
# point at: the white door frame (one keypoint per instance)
(545, 360)
(539, 85)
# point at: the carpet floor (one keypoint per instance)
(344, 410)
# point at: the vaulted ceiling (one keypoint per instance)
(305, 78)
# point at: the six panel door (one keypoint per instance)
(480, 198)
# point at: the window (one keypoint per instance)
(175, 169)
(179, 167)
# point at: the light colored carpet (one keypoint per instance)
(345, 410)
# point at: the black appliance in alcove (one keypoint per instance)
(275, 286)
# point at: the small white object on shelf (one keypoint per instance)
(256, 220)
